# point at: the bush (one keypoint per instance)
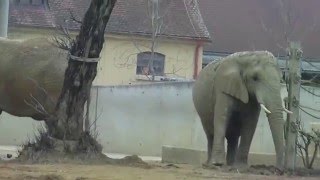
(305, 139)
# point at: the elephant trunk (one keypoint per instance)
(276, 123)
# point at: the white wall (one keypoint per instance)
(140, 119)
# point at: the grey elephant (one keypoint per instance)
(228, 96)
(32, 75)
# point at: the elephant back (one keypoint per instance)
(208, 73)
(40, 60)
(203, 89)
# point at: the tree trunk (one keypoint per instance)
(67, 121)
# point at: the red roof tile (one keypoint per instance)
(181, 18)
(239, 25)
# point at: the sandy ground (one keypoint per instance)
(153, 171)
(158, 171)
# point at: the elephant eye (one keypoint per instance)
(255, 77)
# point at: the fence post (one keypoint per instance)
(295, 54)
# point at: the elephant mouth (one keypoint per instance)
(269, 112)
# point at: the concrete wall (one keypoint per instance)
(119, 56)
(154, 115)
(140, 119)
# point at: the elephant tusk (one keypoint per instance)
(287, 111)
(265, 109)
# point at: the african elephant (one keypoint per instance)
(31, 77)
(228, 96)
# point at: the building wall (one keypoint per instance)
(140, 119)
(119, 56)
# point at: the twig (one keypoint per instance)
(64, 40)
(314, 155)
(36, 105)
(72, 17)
(96, 119)
(42, 90)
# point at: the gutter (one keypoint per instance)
(197, 60)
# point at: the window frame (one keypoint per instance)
(143, 59)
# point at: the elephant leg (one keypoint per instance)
(248, 127)
(207, 125)
(232, 149)
(233, 134)
(209, 147)
(221, 117)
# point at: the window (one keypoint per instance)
(143, 60)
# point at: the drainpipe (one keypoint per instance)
(4, 13)
(197, 60)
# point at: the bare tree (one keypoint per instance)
(67, 121)
(288, 40)
(287, 16)
(156, 24)
(156, 13)
(305, 139)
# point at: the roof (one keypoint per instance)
(306, 65)
(181, 18)
(257, 25)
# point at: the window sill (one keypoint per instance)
(157, 78)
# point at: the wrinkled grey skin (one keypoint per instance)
(32, 74)
(227, 96)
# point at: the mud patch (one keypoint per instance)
(133, 160)
(42, 177)
(266, 171)
(86, 151)
(54, 157)
(307, 172)
(272, 170)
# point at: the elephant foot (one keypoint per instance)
(207, 163)
(217, 162)
(280, 168)
(212, 165)
(240, 167)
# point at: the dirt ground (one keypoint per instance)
(155, 171)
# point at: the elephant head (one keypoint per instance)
(256, 77)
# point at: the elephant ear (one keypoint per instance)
(230, 82)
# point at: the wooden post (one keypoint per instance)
(295, 54)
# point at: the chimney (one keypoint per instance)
(4, 13)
